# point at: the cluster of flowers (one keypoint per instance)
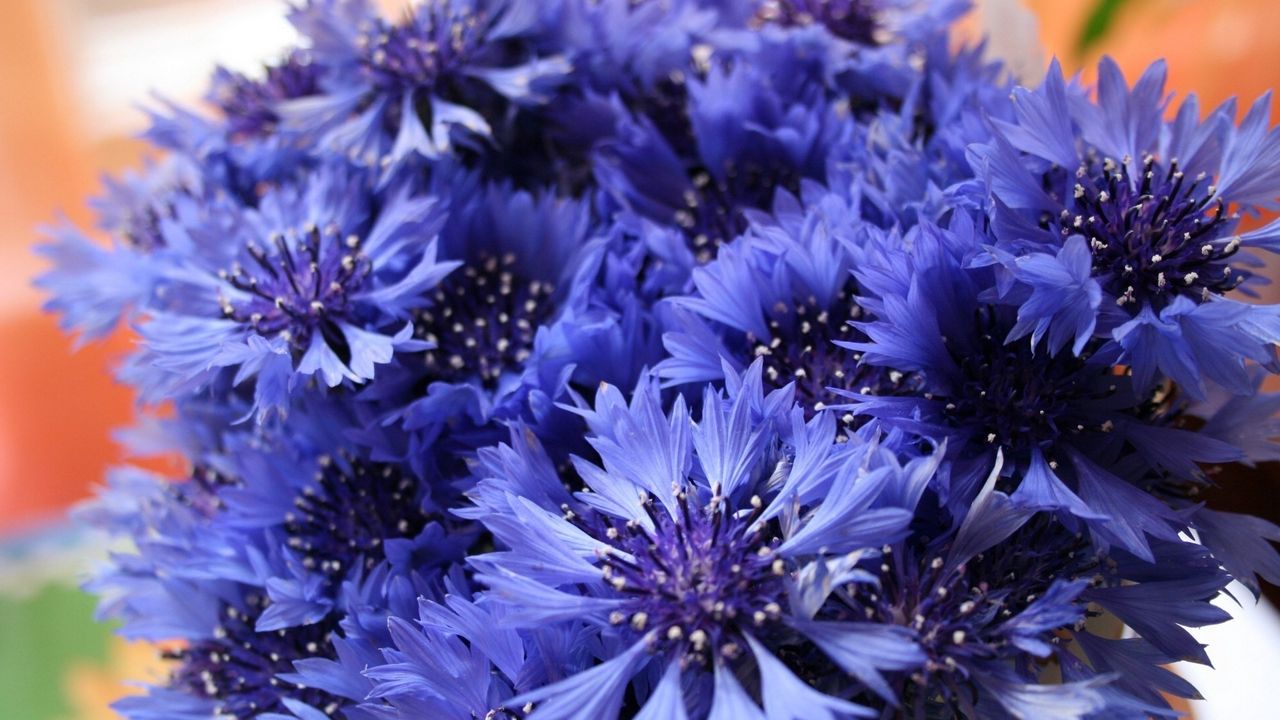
(679, 359)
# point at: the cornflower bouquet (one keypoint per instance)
(719, 359)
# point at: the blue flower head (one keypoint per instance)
(530, 307)
(314, 281)
(296, 551)
(1006, 592)
(697, 554)
(249, 104)
(1111, 221)
(756, 108)
(203, 585)
(748, 135)
(871, 50)
(1075, 435)
(782, 292)
(342, 514)
(395, 91)
(912, 163)
(240, 148)
(94, 288)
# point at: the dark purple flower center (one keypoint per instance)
(1153, 237)
(853, 20)
(1015, 397)
(712, 210)
(353, 507)
(238, 667)
(708, 206)
(483, 321)
(249, 105)
(428, 44)
(297, 285)
(801, 348)
(696, 580)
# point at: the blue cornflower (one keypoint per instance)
(1111, 221)
(640, 51)
(783, 293)
(914, 163)
(612, 55)
(783, 290)
(297, 559)
(763, 110)
(415, 87)
(240, 681)
(134, 206)
(318, 277)
(248, 105)
(871, 49)
(520, 253)
(1075, 434)
(240, 149)
(998, 597)
(193, 581)
(339, 512)
(532, 305)
(736, 109)
(697, 553)
(94, 287)
(310, 282)
(751, 130)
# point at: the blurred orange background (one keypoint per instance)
(72, 75)
(56, 409)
